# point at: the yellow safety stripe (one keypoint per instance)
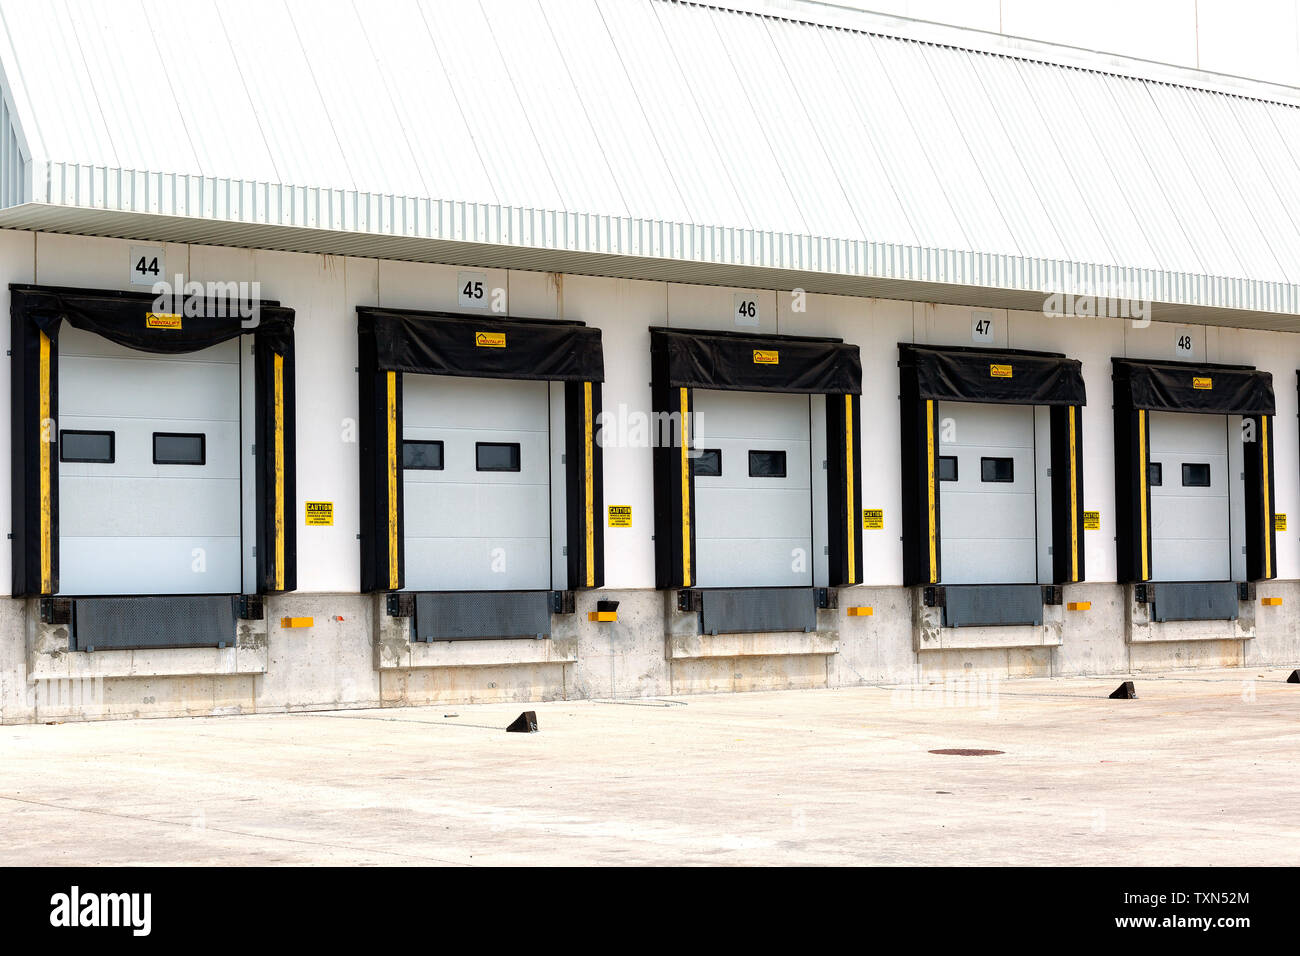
(48, 435)
(1268, 510)
(1142, 488)
(1074, 504)
(686, 490)
(589, 485)
(392, 480)
(279, 472)
(848, 483)
(929, 487)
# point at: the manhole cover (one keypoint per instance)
(966, 752)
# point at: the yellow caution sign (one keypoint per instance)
(1279, 521)
(999, 371)
(1202, 383)
(620, 516)
(873, 519)
(320, 513)
(162, 320)
(1092, 521)
(490, 340)
(765, 357)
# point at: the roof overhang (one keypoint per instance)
(500, 237)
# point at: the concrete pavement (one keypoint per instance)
(1200, 769)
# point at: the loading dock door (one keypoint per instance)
(987, 493)
(149, 475)
(476, 483)
(753, 493)
(1190, 514)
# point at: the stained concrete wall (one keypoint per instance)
(340, 661)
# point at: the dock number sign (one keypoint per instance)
(620, 516)
(320, 513)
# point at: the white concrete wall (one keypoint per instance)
(325, 291)
(332, 665)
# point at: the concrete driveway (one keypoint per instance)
(1200, 769)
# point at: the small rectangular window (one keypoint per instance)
(767, 464)
(422, 455)
(947, 467)
(997, 469)
(176, 448)
(1155, 474)
(83, 446)
(708, 463)
(496, 456)
(1196, 474)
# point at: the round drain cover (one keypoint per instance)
(967, 752)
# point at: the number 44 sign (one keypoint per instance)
(148, 264)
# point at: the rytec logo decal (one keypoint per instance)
(1202, 383)
(162, 320)
(763, 357)
(999, 371)
(73, 909)
(490, 340)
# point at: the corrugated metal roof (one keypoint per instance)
(664, 129)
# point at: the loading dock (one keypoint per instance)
(136, 454)
(1194, 484)
(753, 489)
(480, 469)
(741, 500)
(976, 480)
(987, 493)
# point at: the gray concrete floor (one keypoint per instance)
(1200, 770)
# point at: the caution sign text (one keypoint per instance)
(873, 519)
(766, 357)
(620, 516)
(1092, 521)
(490, 340)
(999, 371)
(162, 320)
(1279, 521)
(1202, 383)
(320, 513)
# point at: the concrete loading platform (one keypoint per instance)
(1200, 769)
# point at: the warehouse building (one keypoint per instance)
(474, 351)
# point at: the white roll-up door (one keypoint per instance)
(753, 497)
(149, 474)
(1190, 513)
(987, 514)
(476, 472)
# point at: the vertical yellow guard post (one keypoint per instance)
(589, 487)
(686, 490)
(48, 436)
(392, 480)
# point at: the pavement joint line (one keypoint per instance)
(648, 702)
(228, 830)
(407, 720)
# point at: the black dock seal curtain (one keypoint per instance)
(394, 343)
(1143, 387)
(128, 319)
(683, 360)
(933, 374)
